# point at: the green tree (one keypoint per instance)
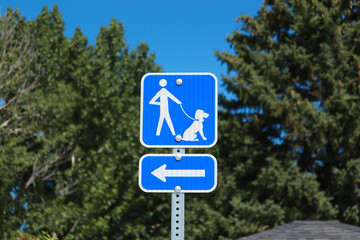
(69, 133)
(290, 130)
(16, 82)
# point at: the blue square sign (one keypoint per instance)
(193, 173)
(178, 110)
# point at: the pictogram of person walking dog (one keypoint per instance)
(190, 133)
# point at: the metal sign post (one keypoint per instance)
(177, 215)
(178, 206)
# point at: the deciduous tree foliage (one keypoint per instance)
(69, 147)
(290, 130)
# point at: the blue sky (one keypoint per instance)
(183, 34)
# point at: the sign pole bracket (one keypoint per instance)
(178, 206)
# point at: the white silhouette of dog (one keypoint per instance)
(196, 126)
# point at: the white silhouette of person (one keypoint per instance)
(164, 94)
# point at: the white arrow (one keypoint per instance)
(161, 173)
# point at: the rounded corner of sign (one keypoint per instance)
(142, 84)
(213, 75)
(211, 156)
(145, 76)
(215, 184)
(213, 188)
(143, 143)
(142, 158)
(152, 74)
(142, 188)
(213, 143)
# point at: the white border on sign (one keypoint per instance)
(178, 145)
(183, 191)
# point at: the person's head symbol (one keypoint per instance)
(163, 82)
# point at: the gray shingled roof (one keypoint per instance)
(309, 230)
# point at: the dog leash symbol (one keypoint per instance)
(186, 113)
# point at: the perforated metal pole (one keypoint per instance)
(177, 216)
(178, 206)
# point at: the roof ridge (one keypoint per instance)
(310, 229)
(313, 221)
(350, 227)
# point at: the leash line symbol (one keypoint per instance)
(186, 113)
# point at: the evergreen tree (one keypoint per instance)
(290, 129)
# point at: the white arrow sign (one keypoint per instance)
(161, 173)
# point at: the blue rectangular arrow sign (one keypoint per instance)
(192, 173)
(178, 110)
